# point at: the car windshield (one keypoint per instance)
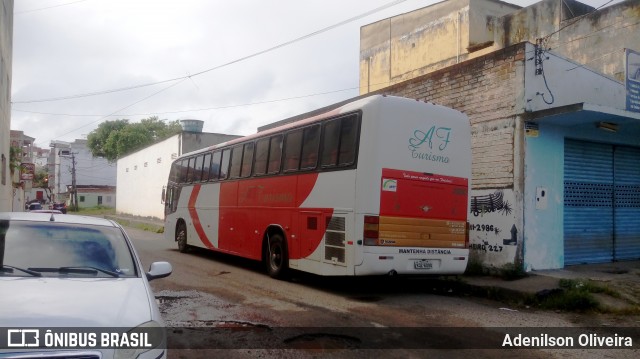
(61, 249)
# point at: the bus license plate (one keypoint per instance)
(423, 264)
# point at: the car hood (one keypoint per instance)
(78, 302)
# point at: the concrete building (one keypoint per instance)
(6, 56)
(94, 196)
(555, 143)
(142, 175)
(90, 170)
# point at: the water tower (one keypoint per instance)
(192, 125)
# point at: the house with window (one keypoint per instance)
(94, 196)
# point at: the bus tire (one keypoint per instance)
(181, 237)
(276, 257)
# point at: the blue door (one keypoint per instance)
(601, 202)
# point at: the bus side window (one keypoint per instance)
(292, 147)
(206, 165)
(184, 170)
(214, 173)
(236, 162)
(330, 143)
(197, 173)
(275, 154)
(191, 167)
(174, 175)
(224, 166)
(348, 141)
(310, 142)
(262, 155)
(247, 160)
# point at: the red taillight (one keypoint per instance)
(371, 219)
(370, 232)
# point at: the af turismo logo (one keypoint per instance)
(429, 145)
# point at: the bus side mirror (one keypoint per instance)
(164, 193)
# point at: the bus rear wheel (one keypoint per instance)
(276, 257)
(181, 237)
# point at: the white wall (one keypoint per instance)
(141, 176)
(569, 83)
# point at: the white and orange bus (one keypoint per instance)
(378, 185)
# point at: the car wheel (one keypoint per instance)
(181, 237)
(276, 257)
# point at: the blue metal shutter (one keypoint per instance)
(588, 202)
(627, 203)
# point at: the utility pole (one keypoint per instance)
(74, 190)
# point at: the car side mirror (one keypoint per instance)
(159, 270)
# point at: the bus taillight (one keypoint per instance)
(371, 234)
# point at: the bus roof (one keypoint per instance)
(303, 119)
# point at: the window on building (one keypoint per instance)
(81, 199)
(99, 200)
(108, 199)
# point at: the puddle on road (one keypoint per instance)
(198, 309)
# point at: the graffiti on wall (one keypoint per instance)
(492, 202)
(492, 225)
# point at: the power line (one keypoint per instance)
(200, 109)
(46, 8)
(255, 54)
(123, 108)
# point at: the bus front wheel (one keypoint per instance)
(276, 256)
(181, 237)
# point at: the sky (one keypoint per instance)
(236, 65)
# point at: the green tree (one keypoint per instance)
(114, 139)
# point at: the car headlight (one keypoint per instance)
(155, 336)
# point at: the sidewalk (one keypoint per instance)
(146, 223)
(621, 278)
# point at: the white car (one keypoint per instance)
(74, 272)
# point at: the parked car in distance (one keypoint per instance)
(34, 206)
(62, 207)
(61, 271)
